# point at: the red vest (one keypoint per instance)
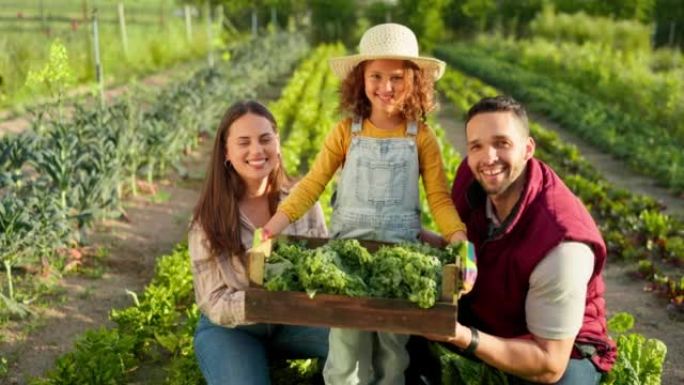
(546, 214)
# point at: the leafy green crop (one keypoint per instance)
(640, 359)
(409, 271)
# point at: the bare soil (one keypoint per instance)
(152, 229)
(155, 226)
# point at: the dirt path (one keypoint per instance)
(623, 293)
(616, 172)
(154, 228)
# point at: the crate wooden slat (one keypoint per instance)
(374, 314)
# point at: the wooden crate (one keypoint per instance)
(373, 314)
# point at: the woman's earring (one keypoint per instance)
(227, 164)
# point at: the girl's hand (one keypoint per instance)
(459, 236)
(275, 225)
(431, 238)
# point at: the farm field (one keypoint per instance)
(156, 36)
(95, 200)
(177, 213)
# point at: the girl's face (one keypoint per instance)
(385, 85)
(252, 147)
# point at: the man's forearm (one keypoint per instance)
(534, 359)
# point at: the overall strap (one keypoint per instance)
(412, 128)
(357, 124)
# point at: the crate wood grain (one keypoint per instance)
(373, 314)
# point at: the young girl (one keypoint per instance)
(244, 184)
(383, 149)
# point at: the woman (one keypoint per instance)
(244, 184)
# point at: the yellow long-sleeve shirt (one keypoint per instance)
(333, 154)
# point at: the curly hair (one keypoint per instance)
(419, 91)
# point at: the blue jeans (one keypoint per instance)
(579, 372)
(240, 355)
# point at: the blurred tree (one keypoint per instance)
(509, 16)
(641, 10)
(334, 20)
(425, 18)
(669, 19)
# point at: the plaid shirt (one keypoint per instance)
(220, 281)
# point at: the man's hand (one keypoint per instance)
(460, 339)
(529, 357)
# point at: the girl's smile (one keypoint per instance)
(385, 83)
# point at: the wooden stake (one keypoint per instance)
(188, 23)
(210, 37)
(122, 27)
(99, 76)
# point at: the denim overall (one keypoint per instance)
(377, 199)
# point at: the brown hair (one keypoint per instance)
(418, 102)
(500, 103)
(217, 211)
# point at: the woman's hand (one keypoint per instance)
(275, 225)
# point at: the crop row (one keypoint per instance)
(616, 77)
(644, 146)
(61, 176)
(308, 105)
(158, 328)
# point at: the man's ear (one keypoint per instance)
(530, 146)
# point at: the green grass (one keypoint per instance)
(152, 45)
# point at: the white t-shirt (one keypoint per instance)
(554, 307)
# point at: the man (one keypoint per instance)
(537, 310)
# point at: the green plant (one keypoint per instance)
(640, 359)
(55, 77)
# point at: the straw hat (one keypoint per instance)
(387, 41)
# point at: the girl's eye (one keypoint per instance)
(397, 78)
(243, 144)
(266, 139)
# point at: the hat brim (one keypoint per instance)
(342, 66)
